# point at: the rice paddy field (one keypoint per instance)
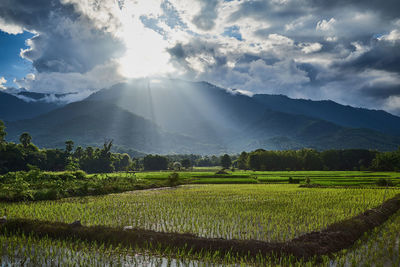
(261, 210)
(324, 178)
(379, 248)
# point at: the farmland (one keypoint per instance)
(324, 178)
(260, 212)
(267, 209)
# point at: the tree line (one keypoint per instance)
(313, 160)
(25, 155)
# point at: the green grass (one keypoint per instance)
(324, 178)
(268, 212)
(260, 211)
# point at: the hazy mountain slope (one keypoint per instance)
(331, 111)
(12, 108)
(287, 131)
(235, 121)
(200, 110)
(173, 116)
(90, 123)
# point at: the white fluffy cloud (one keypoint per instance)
(313, 49)
(10, 28)
(2, 82)
(325, 25)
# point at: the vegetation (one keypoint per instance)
(38, 185)
(18, 157)
(313, 160)
(156, 162)
(226, 161)
(69, 250)
(261, 212)
(377, 248)
(273, 196)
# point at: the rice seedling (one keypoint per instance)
(260, 212)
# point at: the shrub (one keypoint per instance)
(66, 176)
(384, 182)
(221, 172)
(80, 175)
(293, 181)
(173, 179)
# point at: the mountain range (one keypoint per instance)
(175, 116)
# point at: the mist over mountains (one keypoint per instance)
(175, 116)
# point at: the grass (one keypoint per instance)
(24, 248)
(323, 178)
(256, 205)
(261, 212)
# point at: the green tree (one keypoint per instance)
(2, 131)
(25, 139)
(155, 162)
(186, 163)
(242, 161)
(79, 152)
(69, 145)
(226, 161)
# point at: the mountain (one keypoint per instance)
(35, 96)
(13, 108)
(91, 123)
(279, 130)
(239, 122)
(198, 109)
(346, 116)
(174, 116)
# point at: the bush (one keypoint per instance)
(80, 175)
(221, 172)
(50, 194)
(66, 176)
(293, 181)
(173, 179)
(384, 182)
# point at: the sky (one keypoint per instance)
(344, 50)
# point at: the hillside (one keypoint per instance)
(174, 116)
(240, 122)
(346, 116)
(12, 108)
(91, 123)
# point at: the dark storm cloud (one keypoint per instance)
(205, 20)
(66, 41)
(382, 56)
(381, 91)
(344, 50)
(388, 8)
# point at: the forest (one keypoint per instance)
(25, 155)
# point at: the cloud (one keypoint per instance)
(392, 104)
(310, 47)
(10, 28)
(393, 36)
(325, 25)
(83, 84)
(345, 50)
(2, 82)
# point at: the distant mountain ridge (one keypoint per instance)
(13, 108)
(328, 110)
(91, 123)
(175, 116)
